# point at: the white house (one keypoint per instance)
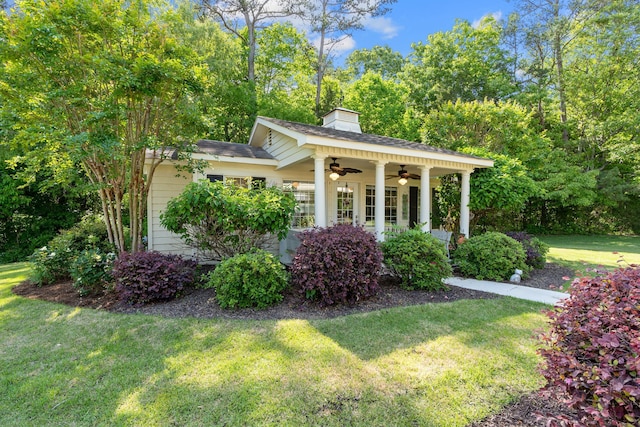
(337, 173)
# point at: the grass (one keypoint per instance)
(430, 365)
(584, 253)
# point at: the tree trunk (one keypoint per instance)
(320, 73)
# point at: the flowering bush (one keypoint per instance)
(254, 279)
(91, 271)
(592, 352)
(338, 264)
(535, 249)
(144, 277)
(418, 258)
(53, 262)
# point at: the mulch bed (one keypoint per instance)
(201, 303)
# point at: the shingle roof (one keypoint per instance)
(231, 149)
(361, 137)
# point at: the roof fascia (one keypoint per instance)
(385, 149)
(257, 141)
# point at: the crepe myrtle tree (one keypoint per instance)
(221, 220)
(104, 84)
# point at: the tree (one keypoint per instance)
(465, 63)
(106, 83)
(284, 72)
(334, 21)
(384, 102)
(254, 14)
(379, 59)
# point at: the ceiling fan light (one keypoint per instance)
(402, 181)
(334, 176)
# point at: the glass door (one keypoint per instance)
(346, 203)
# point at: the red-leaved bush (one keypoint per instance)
(592, 351)
(143, 277)
(338, 264)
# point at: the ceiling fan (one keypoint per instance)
(402, 173)
(337, 171)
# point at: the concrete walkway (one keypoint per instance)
(509, 289)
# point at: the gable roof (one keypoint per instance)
(366, 138)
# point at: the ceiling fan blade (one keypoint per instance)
(413, 176)
(351, 170)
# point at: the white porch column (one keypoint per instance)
(464, 202)
(425, 198)
(320, 209)
(379, 200)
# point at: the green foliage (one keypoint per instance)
(491, 256)
(53, 262)
(253, 279)
(384, 101)
(221, 220)
(418, 258)
(91, 271)
(108, 81)
(381, 60)
(466, 63)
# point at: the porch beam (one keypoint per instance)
(464, 202)
(320, 208)
(379, 200)
(425, 198)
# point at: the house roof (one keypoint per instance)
(366, 138)
(232, 149)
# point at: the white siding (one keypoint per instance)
(164, 187)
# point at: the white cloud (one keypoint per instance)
(346, 44)
(382, 25)
(496, 15)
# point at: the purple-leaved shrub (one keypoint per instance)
(338, 264)
(144, 277)
(591, 353)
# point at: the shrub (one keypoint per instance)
(254, 279)
(144, 277)
(338, 264)
(91, 271)
(535, 249)
(53, 262)
(492, 256)
(418, 258)
(221, 220)
(592, 350)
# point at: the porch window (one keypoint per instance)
(390, 205)
(304, 193)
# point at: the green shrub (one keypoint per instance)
(253, 279)
(492, 256)
(53, 262)
(222, 220)
(535, 249)
(418, 258)
(91, 271)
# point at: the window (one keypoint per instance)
(304, 193)
(390, 205)
(256, 182)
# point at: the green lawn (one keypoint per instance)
(430, 365)
(586, 252)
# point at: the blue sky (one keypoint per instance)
(412, 21)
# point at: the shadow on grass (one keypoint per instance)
(437, 365)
